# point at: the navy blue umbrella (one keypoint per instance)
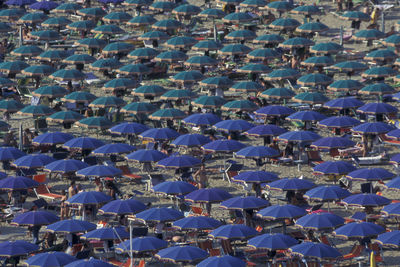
(279, 212)
(52, 138)
(290, 184)
(196, 223)
(389, 239)
(10, 153)
(226, 261)
(159, 215)
(159, 134)
(16, 248)
(202, 119)
(366, 200)
(174, 188)
(339, 122)
(89, 197)
(33, 161)
(315, 250)
(191, 140)
(83, 143)
(182, 254)
(244, 203)
(307, 115)
(333, 142)
(99, 171)
(233, 231)
(343, 103)
(394, 183)
(117, 148)
(71, 226)
(299, 136)
(320, 221)
(327, 193)
(106, 233)
(142, 244)
(50, 259)
(392, 209)
(359, 230)
(17, 183)
(176, 162)
(272, 241)
(128, 128)
(372, 128)
(395, 159)
(146, 155)
(122, 207)
(274, 111)
(255, 177)
(257, 152)
(377, 108)
(65, 166)
(233, 125)
(394, 134)
(370, 174)
(44, 5)
(32, 218)
(20, 2)
(89, 263)
(208, 195)
(265, 130)
(224, 146)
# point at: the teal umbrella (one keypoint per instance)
(33, 18)
(139, 108)
(92, 43)
(246, 86)
(107, 102)
(163, 6)
(234, 49)
(134, 69)
(379, 72)
(142, 20)
(306, 10)
(212, 13)
(52, 55)
(217, 82)
(67, 8)
(278, 93)
(297, 42)
(4, 27)
(65, 117)
(95, 123)
(263, 53)
(92, 12)
(314, 79)
(52, 91)
(4, 82)
(187, 76)
(106, 64)
(187, 10)
(206, 101)
(347, 66)
(392, 40)
(207, 45)
(117, 47)
(284, 24)
(345, 85)
(254, 3)
(10, 105)
(356, 16)
(79, 97)
(177, 94)
(255, 68)
(143, 53)
(282, 74)
(240, 105)
(238, 17)
(13, 66)
(200, 61)
(171, 56)
(56, 22)
(154, 35)
(117, 17)
(377, 89)
(67, 75)
(241, 35)
(11, 14)
(168, 114)
(369, 34)
(149, 90)
(326, 48)
(38, 110)
(381, 55)
(280, 6)
(311, 27)
(310, 98)
(167, 24)
(119, 84)
(27, 51)
(318, 61)
(109, 29)
(80, 59)
(82, 25)
(269, 39)
(180, 42)
(38, 70)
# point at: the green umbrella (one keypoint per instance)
(143, 53)
(134, 69)
(284, 24)
(318, 61)
(91, 43)
(212, 13)
(297, 42)
(234, 49)
(377, 89)
(109, 29)
(201, 61)
(10, 105)
(4, 82)
(282, 74)
(379, 72)
(117, 47)
(254, 3)
(154, 35)
(347, 66)
(93, 12)
(167, 24)
(27, 51)
(82, 25)
(11, 14)
(278, 93)
(187, 10)
(117, 17)
(4, 27)
(142, 20)
(79, 97)
(241, 35)
(381, 55)
(206, 101)
(240, 105)
(107, 102)
(263, 53)
(310, 98)
(171, 56)
(168, 114)
(106, 64)
(217, 82)
(149, 90)
(326, 48)
(345, 85)
(68, 75)
(65, 117)
(180, 42)
(163, 6)
(38, 70)
(39, 110)
(56, 22)
(187, 76)
(95, 123)
(369, 34)
(80, 59)
(33, 18)
(311, 27)
(269, 39)
(207, 45)
(13, 66)
(139, 108)
(52, 91)
(306, 10)
(314, 79)
(280, 6)
(177, 95)
(246, 86)
(67, 8)
(119, 84)
(52, 55)
(356, 16)
(254, 68)
(238, 17)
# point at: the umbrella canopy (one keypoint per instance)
(90, 197)
(339, 122)
(143, 53)
(187, 10)
(208, 195)
(139, 108)
(38, 70)
(315, 250)
(68, 75)
(314, 79)
(359, 230)
(327, 193)
(237, 17)
(257, 177)
(35, 17)
(82, 25)
(119, 84)
(377, 89)
(241, 35)
(11, 14)
(372, 128)
(46, 35)
(99, 171)
(272, 241)
(17, 183)
(177, 162)
(91, 43)
(281, 74)
(71, 226)
(163, 6)
(32, 161)
(65, 166)
(320, 221)
(167, 24)
(390, 239)
(50, 259)
(334, 168)
(234, 49)
(310, 27)
(280, 6)
(79, 59)
(279, 212)
(233, 125)
(274, 111)
(379, 72)
(109, 29)
(296, 42)
(209, 101)
(240, 105)
(299, 136)
(174, 188)
(392, 40)
(233, 231)
(93, 12)
(154, 35)
(89, 263)
(393, 184)
(207, 45)
(306, 116)
(343, 103)
(223, 146)
(105, 64)
(326, 48)
(95, 123)
(265, 130)
(159, 215)
(257, 152)
(269, 39)
(117, 17)
(333, 142)
(44, 5)
(13, 66)
(35, 218)
(216, 82)
(51, 91)
(196, 223)
(310, 98)
(107, 101)
(202, 119)
(290, 184)
(52, 138)
(188, 76)
(10, 105)
(254, 68)
(16, 248)
(180, 42)
(212, 13)
(122, 207)
(27, 51)
(176, 95)
(10, 153)
(191, 140)
(381, 55)
(128, 128)
(186, 254)
(392, 209)
(142, 244)
(146, 155)
(83, 143)
(134, 69)
(106, 233)
(159, 134)
(366, 200)
(356, 16)
(318, 61)
(370, 174)
(226, 260)
(369, 34)
(117, 148)
(201, 61)
(244, 203)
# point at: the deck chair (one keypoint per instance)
(127, 173)
(232, 170)
(40, 178)
(314, 158)
(355, 252)
(42, 191)
(205, 245)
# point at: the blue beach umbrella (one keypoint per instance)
(233, 125)
(17, 183)
(223, 146)
(343, 103)
(290, 184)
(196, 223)
(272, 241)
(327, 193)
(202, 119)
(372, 128)
(116, 148)
(99, 171)
(83, 143)
(32, 161)
(257, 152)
(265, 130)
(174, 188)
(106, 233)
(320, 221)
(89, 263)
(191, 140)
(244, 203)
(315, 250)
(233, 232)
(279, 212)
(274, 110)
(128, 128)
(392, 209)
(208, 195)
(52, 138)
(44, 5)
(226, 260)
(89, 197)
(370, 174)
(50, 259)
(366, 200)
(333, 142)
(146, 155)
(142, 244)
(122, 207)
(35, 218)
(339, 122)
(176, 162)
(359, 230)
(393, 184)
(255, 177)
(16, 248)
(377, 108)
(65, 166)
(71, 226)
(334, 168)
(306, 116)
(159, 134)
(10, 153)
(159, 215)
(299, 136)
(390, 239)
(185, 254)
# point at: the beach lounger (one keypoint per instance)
(374, 160)
(127, 173)
(355, 252)
(314, 158)
(42, 191)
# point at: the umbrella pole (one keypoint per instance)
(130, 244)
(283, 227)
